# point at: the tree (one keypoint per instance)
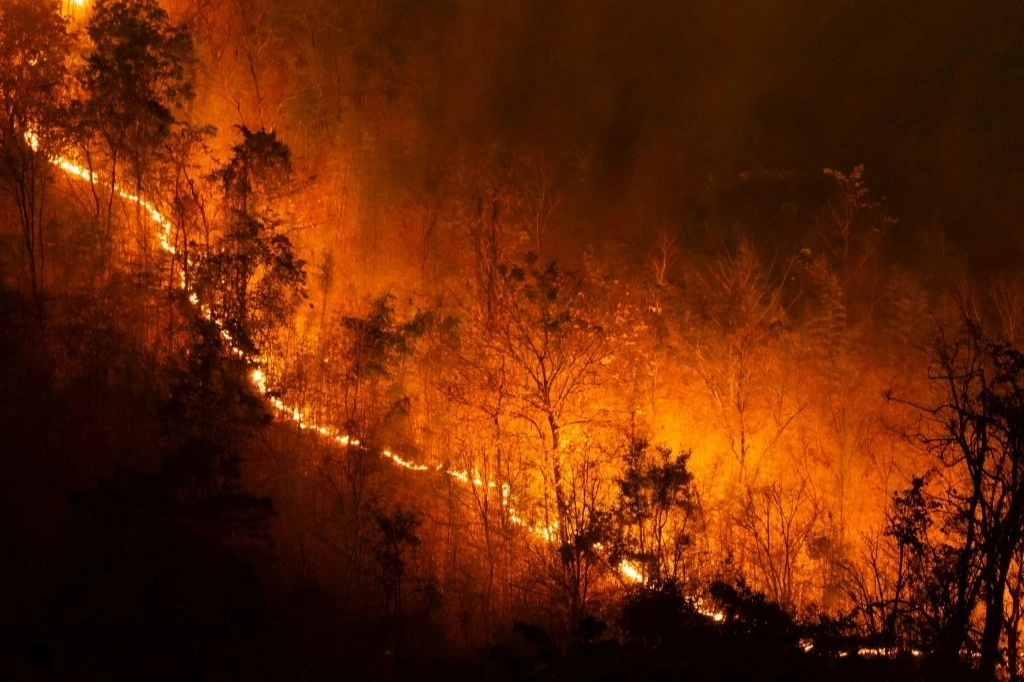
(842, 287)
(34, 50)
(479, 387)
(656, 505)
(857, 223)
(397, 538)
(374, 346)
(1015, 619)
(910, 521)
(211, 411)
(543, 346)
(190, 197)
(549, 332)
(742, 357)
(362, 371)
(663, 256)
(136, 78)
(975, 430)
(251, 279)
(779, 522)
(584, 526)
(137, 73)
(737, 356)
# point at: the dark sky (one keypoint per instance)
(686, 104)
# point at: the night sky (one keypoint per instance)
(686, 103)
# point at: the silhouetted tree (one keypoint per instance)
(975, 430)
(548, 328)
(373, 347)
(655, 511)
(779, 521)
(659, 613)
(136, 80)
(397, 537)
(909, 523)
(251, 279)
(362, 385)
(35, 47)
(211, 411)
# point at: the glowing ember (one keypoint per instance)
(703, 610)
(404, 463)
(630, 571)
(888, 652)
(259, 379)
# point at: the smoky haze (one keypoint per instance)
(688, 110)
(513, 339)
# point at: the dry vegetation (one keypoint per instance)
(577, 379)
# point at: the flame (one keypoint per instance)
(404, 463)
(704, 610)
(71, 7)
(631, 571)
(547, 532)
(259, 380)
(886, 651)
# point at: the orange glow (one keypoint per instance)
(258, 376)
(628, 570)
(73, 7)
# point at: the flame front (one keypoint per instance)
(547, 532)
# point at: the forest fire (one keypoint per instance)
(258, 377)
(477, 333)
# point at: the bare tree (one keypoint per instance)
(973, 429)
(736, 353)
(856, 224)
(663, 256)
(541, 202)
(548, 332)
(779, 521)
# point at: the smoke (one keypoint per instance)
(717, 116)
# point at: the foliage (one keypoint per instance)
(753, 614)
(137, 74)
(910, 520)
(369, 354)
(974, 431)
(397, 538)
(35, 46)
(655, 511)
(658, 613)
(251, 278)
(210, 412)
(378, 341)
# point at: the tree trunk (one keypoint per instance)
(990, 655)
